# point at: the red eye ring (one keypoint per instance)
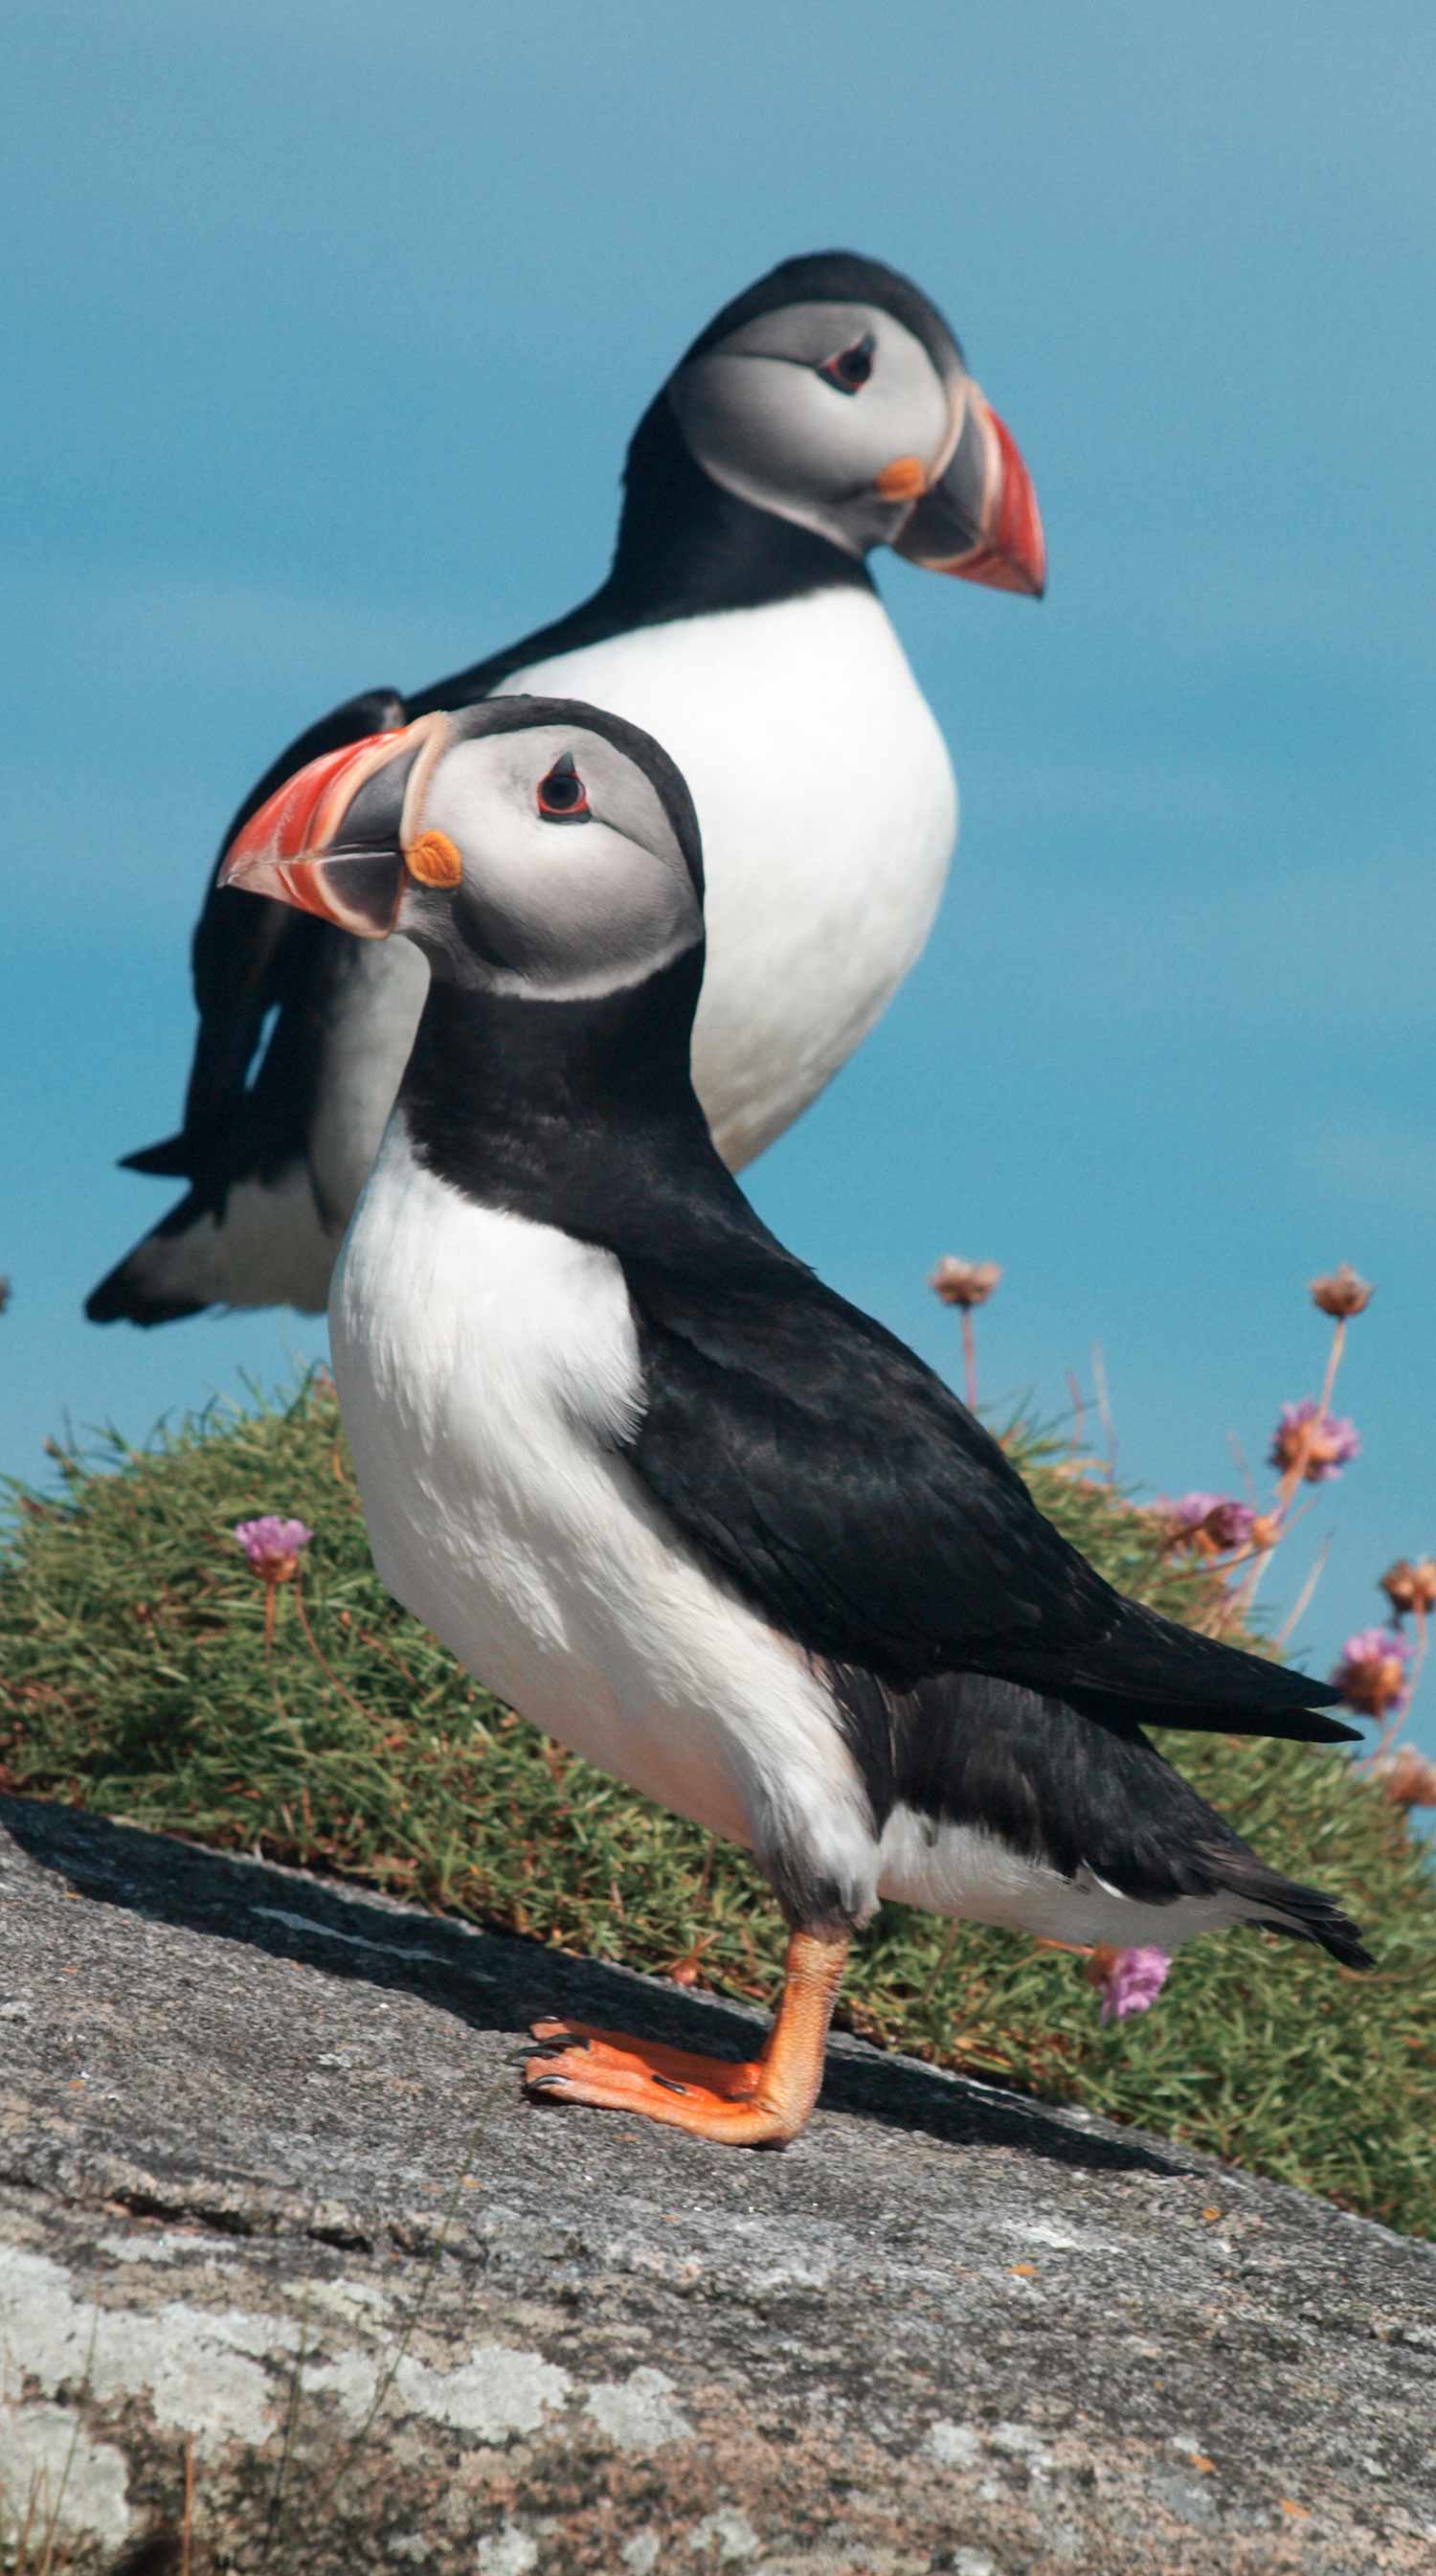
(848, 370)
(562, 796)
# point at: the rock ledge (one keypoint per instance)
(272, 2199)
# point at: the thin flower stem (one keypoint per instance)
(1079, 1410)
(969, 1359)
(1333, 1363)
(1248, 1592)
(270, 1594)
(322, 1660)
(1292, 1475)
(1303, 1599)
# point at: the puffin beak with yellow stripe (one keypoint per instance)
(341, 839)
(915, 458)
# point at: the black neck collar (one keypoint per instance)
(687, 546)
(580, 1115)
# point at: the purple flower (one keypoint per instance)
(273, 1546)
(1213, 1522)
(1320, 1444)
(1371, 1675)
(1133, 1982)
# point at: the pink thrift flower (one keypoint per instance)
(273, 1546)
(1371, 1675)
(1320, 1443)
(1211, 1522)
(1133, 1982)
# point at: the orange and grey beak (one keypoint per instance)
(979, 518)
(333, 839)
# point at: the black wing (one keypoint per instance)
(862, 1509)
(838, 1481)
(249, 959)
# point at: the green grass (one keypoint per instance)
(136, 1681)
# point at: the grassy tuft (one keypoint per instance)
(136, 1681)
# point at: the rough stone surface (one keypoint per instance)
(270, 2199)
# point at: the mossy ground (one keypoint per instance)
(135, 1679)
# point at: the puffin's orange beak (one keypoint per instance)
(980, 518)
(331, 840)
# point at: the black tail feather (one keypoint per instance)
(1288, 1724)
(1305, 1913)
(120, 1298)
(173, 1160)
(1151, 1669)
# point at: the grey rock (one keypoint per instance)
(271, 2199)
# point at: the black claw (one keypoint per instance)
(547, 2083)
(553, 2047)
(668, 2084)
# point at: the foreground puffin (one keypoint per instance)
(826, 411)
(660, 1489)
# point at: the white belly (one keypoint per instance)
(828, 811)
(962, 1871)
(481, 1362)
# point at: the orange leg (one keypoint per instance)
(763, 2102)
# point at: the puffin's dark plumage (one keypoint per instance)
(279, 1128)
(665, 1491)
(836, 1479)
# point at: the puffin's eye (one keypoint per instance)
(562, 796)
(849, 371)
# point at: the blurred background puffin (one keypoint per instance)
(826, 411)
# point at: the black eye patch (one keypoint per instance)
(562, 795)
(849, 371)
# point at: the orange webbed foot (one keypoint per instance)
(758, 2103)
(612, 2056)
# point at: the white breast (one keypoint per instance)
(483, 1365)
(828, 812)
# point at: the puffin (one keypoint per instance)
(828, 410)
(664, 1492)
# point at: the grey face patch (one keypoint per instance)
(768, 414)
(565, 904)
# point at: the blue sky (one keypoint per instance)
(330, 329)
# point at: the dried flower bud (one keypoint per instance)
(1371, 1675)
(273, 1546)
(1341, 1293)
(1320, 1444)
(1407, 1778)
(964, 1283)
(1410, 1587)
(1266, 1530)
